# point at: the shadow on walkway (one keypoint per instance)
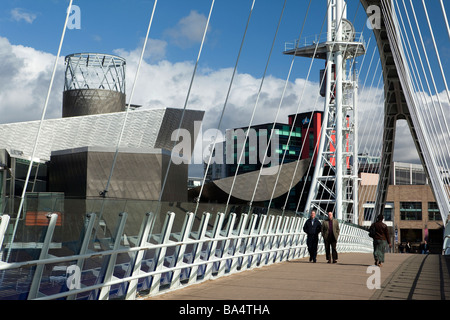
(420, 277)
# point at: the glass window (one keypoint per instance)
(433, 212)
(388, 214)
(402, 176)
(368, 212)
(410, 210)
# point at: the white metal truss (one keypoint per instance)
(95, 71)
(334, 183)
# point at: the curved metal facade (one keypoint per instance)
(83, 102)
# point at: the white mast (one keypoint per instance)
(334, 183)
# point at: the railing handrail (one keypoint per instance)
(314, 39)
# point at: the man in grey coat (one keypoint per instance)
(330, 234)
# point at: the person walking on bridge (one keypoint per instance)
(312, 229)
(330, 234)
(380, 239)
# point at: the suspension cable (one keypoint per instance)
(225, 104)
(44, 111)
(129, 103)
(187, 99)
(279, 108)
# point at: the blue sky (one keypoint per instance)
(30, 32)
(110, 25)
(119, 24)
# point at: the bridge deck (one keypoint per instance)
(402, 277)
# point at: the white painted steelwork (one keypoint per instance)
(334, 184)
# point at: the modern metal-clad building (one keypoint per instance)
(150, 128)
(75, 154)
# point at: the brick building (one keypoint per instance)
(411, 211)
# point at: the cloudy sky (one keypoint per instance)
(30, 32)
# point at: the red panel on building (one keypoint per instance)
(39, 218)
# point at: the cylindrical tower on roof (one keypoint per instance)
(94, 84)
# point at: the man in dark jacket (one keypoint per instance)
(312, 228)
(380, 240)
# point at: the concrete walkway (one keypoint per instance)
(402, 277)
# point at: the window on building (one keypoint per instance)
(368, 212)
(410, 211)
(402, 176)
(433, 212)
(388, 212)
(311, 144)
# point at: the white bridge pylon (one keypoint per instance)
(402, 102)
(334, 184)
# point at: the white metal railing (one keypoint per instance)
(177, 259)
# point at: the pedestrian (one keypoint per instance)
(408, 247)
(330, 234)
(380, 239)
(424, 247)
(312, 229)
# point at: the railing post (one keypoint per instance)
(300, 236)
(237, 244)
(34, 289)
(104, 292)
(3, 226)
(274, 237)
(248, 241)
(161, 253)
(292, 238)
(258, 241)
(226, 245)
(89, 225)
(136, 264)
(185, 232)
(283, 238)
(198, 248)
(267, 240)
(212, 250)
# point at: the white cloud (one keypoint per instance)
(154, 51)
(189, 30)
(25, 79)
(19, 14)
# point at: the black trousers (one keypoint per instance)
(330, 243)
(311, 242)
